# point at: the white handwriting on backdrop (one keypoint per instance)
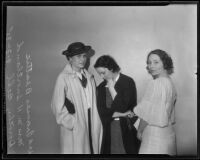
(20, 134)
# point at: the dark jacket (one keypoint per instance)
(125, 100)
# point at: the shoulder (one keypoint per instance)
(161, 83)
(60, 80)
(102, 84)
(126, 79)
(88, 74)
(61, 76)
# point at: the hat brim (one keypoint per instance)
(87, 49)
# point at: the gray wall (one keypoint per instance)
(37, 35)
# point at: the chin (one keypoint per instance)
(154, 74)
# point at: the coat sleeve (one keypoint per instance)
(153, 107)
(126, 97)
(63, 117)
(104, 112)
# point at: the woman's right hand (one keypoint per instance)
(139, 135)
(130, 114)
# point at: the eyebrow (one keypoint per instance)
(153, 60)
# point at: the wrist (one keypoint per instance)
(111, 88)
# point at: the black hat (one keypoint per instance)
(76, 48)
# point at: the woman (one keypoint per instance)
(156, 110)
(74, 104)
(116, 97)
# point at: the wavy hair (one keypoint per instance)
(165, 58)
(108, 62)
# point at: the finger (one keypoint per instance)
(131, 116)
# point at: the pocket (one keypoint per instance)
(70, 122)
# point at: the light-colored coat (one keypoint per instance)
(74, 127)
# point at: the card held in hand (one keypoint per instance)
(69, 105)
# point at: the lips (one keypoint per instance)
(152, 71)
(82, 64)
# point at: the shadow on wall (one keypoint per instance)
(186, 134)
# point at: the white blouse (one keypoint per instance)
(157, 105)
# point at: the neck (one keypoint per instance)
(164, 74)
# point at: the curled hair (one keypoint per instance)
(165, 58)
(108, 62)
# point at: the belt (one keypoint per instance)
(116, 119)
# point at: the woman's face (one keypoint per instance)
(105, 73)
(155, 65)
(78, 61)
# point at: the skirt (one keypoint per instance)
(157, 140)
(117, 146)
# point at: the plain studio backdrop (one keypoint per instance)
(37, 35)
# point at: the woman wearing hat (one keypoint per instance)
(116, 97)
(74, 104)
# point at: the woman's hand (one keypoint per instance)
(129, 113)
(142, 125)
(139, 135)
(110, 83)
(111, 87)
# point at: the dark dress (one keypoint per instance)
(116, 143)
(126, 99)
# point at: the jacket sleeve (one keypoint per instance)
(63, 117)
(125, 98)
(104, 112)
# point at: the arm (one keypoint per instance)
(63, 117)
(141, 128)
(153, 107)
(124, 96)
(129, 114)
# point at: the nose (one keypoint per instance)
(150, 66)
(83, 59)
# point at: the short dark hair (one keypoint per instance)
(165, 58)
(108, 62)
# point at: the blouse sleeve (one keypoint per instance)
(153, 107)
(63, 117)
